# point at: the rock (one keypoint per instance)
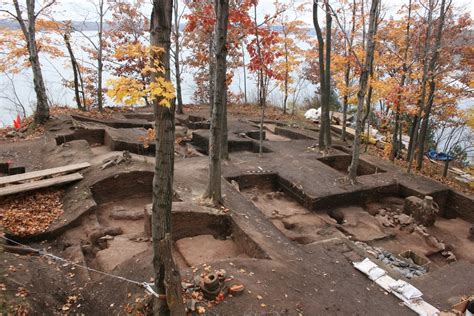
(235, 184)
(113, 231)
(254, 198)
(384, 221)
(404, 219)
(11, 134)
(433, 241)
(423, 211)
(382, 212)
(449, 256)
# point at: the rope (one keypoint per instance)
(147, 286)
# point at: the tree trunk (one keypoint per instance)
(396, 146)
(213, 191)
(167, 280)
(364, 78)
(29, 32)
(395, 149)
(327, 78)
(100, 64)
(177, 66)
(244, 68)
(74, 71)
(347, 75)
(322, 77)
(225, 141)
(211, 74)
(431, 71)
(285, 98)
(421, 100)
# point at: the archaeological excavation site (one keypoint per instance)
(291, 236)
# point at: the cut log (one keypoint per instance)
(42, 173)
(24, 187)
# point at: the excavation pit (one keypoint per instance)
(341, 164)
(200, 140)
(111, 139)
(285, 208)
(201, 237)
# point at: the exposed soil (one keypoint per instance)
(285, 230)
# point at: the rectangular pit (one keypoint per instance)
(341, 164)
(286, 207)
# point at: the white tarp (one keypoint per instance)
(410, 295)
(313, 114)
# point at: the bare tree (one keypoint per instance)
(213, 191)
(28, 28)
(13, 97)
(167, 278)
(363, 82)
(347, 73)
(324, 55)
(78, 82)
(177, 14)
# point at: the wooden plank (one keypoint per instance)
(42, 173)
(24, 187)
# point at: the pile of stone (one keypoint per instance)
(404, 267)
(117, 160)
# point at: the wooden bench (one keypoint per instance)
(42, 173)
(24, 187)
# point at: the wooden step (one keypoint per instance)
(24, 187)
(42, 173)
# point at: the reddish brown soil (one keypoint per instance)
(293, 252)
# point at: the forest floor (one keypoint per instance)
(289, 229)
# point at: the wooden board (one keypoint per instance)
(24, 187)
(42, 173)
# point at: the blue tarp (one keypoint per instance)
(432, 154)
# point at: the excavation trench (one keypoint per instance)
(374, 217)
(117, 231)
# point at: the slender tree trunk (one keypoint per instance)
(395, 144)
(421, 100)
(29, 32)
(74, 71)
(167, 278)
(327, 77)
(363, 82)
(431, 71)
(345, 103)
(322, 77)
(213, 191)
(347, 75)
(413, 135)
(395, 149)
(244, 68)
(100, 62)
(285, 98)
(177, 65)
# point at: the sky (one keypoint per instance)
(77, 10)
